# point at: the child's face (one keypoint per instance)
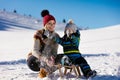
(69, 31)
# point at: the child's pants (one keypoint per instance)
(77, 59)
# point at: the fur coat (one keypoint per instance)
(44, 46)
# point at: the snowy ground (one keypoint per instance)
(100, 47)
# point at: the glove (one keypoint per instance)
(69, 31)
(46, 33)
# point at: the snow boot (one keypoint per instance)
(91, 74)
(42, 73)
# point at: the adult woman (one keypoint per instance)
(45, 48)
(43, 37)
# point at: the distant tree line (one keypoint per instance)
(63, 21)
(15, 11)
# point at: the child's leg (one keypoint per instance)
(85, 68)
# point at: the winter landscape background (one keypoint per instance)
(100, 47)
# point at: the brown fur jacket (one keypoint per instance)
(44, 46)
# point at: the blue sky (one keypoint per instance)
(86, 13)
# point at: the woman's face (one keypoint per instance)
(50, 26)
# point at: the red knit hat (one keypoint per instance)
(46, 17)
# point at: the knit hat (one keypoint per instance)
(70, 27)
(46, 17)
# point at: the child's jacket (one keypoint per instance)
(70, 45)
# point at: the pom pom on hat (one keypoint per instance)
(44, 12)
(71, 25)
(47, 17)
(70, 21)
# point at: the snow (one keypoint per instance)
(100, 47)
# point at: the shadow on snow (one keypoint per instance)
(106, 77)
(23, 61)
(95, 55)
(4, 24)
(14, 62)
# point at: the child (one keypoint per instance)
(70, 42)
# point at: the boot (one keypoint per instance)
(91, 74)
(42, 73)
